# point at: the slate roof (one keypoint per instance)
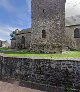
(23, 31)
(73, 20)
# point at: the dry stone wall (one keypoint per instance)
(59, 73)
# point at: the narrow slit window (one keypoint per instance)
(43, 34)
(23, 40)
(43, 10)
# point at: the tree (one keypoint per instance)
(13, 34)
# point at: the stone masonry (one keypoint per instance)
(71, 41)
(50, 31)
(48, 16)
(45, 72)
(23, 39)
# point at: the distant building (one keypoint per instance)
(22, 39)
(5, 44)
(72, 32)
(0, 43)
(13, 43)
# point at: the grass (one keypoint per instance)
(23, 53)
(4, 49)
(66, 55)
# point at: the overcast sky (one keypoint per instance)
(17, 14)
(72, 7)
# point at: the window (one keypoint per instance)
(43, 34)
(43, 10)
(77, 33)
(23, 40)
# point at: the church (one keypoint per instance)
(49, 32)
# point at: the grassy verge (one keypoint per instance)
(68, 54)
(4, 48)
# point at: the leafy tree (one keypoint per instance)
(14, 33)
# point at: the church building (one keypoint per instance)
(49, 33)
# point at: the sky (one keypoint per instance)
(16, 14)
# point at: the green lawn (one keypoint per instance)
(4, 49)
(68, 54)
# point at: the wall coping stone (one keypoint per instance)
(66, 59)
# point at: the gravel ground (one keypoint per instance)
(7, 87)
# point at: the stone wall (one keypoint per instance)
(27, 35)
(71, 42)
(50, 73)
(49, 16)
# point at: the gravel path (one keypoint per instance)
(7, 87)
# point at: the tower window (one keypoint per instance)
(43, 34)
(43, 10)
(77, 33)
(23, 40)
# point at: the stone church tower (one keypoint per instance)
(48, 25)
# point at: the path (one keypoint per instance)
(8, 87)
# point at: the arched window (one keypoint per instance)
(77, 33)
(23, 40)
(43, 34)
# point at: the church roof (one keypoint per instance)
(72, 21)
(23, 31)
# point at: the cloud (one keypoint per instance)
(28, 5)
(23, 14)
(2, 39)
(5, 31)
(6, 4)
(72, 8)
(19, 15)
